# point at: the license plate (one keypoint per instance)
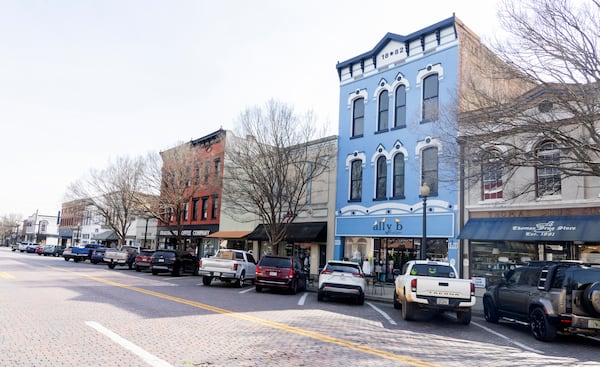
(443, 301)
(161, 260)
(216, 274)
(273, 273)
(594, 324)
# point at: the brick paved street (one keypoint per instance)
(55, 313)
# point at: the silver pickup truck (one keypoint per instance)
(229, 266)
(124, 256)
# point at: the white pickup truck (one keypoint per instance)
(123, 256)
(433, 285)
(229, 266)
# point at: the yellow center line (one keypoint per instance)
(273, 324)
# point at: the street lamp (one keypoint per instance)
(424, 194)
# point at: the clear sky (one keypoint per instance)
(85, 81)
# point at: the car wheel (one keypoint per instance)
(360, 300)
(154, 272)
(408, 310)
(206, 280)
(540, 326)
(320, 296)
(397, 304)
(137, 268)
(591, 299)
(176, 270)
(464, 317)
(259, 288)
(294, 287)
(489, 311)
(111, 266)
(240, 282)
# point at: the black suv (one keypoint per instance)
(175, 262)
(550, 297)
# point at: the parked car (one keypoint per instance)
(283, 272)
(98, 255)
(228, 265)
(124, 256)
(142, 260)
(175, 262)
(435, 286)
(53, 250)
(342, 279)
(39, 250)
(32, 247)
(23, 246)
(85, 252)
(550, 297)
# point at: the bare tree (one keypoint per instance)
(551, 45)
(114, 192)
(271, 163)
(9, 225)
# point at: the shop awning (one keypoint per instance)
(105, 236)
(296, 232)
(229, 234)
(564, 228)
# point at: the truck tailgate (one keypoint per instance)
(216, 264)
(444, 287)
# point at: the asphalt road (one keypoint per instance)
(58, 313)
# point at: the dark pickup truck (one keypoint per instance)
(550, 297)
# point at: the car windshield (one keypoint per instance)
(165, 254)
(432, 270)
(343, 268)
(276, 262)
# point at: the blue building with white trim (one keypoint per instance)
(397, 115)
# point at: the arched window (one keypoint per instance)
(547, 173)
(398, 185)
(356, 180)
(491, 171)
(358, 117)
(400, 103)
(380, 185)
(430, 98)
(383, 116)
(429, 169)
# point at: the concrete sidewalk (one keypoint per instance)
(384, 292)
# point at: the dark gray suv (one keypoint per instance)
(550, 297)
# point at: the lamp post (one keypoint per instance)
(424, 194)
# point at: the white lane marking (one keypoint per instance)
(521, 345)
(144, 355)
(302, 299)
(247, 290)
(387, 317)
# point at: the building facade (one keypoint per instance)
(42, 229)
(397, 188)
(533, 212)
(191, 194)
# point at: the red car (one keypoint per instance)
(39, 250)
(280, 272)
(142, 260)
